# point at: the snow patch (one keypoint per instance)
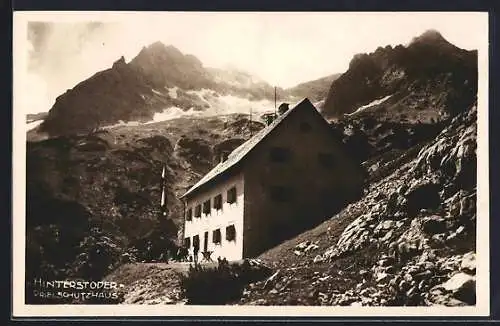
(217, 105)
(227, 104)
(156, 92)
(172, 92)
(174, 113)
(32, 125)
(373, 103)
(122, 123)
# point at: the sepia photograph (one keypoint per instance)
(250, 163)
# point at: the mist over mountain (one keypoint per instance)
(158, 79)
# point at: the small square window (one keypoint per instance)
(216, 236)
(218, 202)
(197, 211)
(231, 195)
(326, 160)
(206, 207)
(189, 214)
(305, 127)
(281, 194)
(230, 233)
(280, 154)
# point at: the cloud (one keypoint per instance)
(282, 48)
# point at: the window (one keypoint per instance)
(231, 195)
(216, 237)
(230, 233)
(187, 242)
(206, 207)
(280, 154)
(189, 214)
(305, 127)
(218, 202)
(196, 241)
(197, 211)
(326, 160)
(281, 193)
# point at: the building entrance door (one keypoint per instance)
(205, 242)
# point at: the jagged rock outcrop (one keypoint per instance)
(158, 78)
(428, 80)
(315, 90)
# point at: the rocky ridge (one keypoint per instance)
(427, 80)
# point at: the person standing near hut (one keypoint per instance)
(196, 249)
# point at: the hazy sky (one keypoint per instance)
(282, 48)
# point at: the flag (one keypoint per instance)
(163, 200)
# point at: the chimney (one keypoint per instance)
(283, 108)
(269, 118)
(223, 156)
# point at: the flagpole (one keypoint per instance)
(163, 195)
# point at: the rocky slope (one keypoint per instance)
(35, 117)
(409, 241)
(428, 80)
(315, 90)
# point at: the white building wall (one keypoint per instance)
(231, 214)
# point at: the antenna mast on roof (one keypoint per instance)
(250, 122)
(275, 101)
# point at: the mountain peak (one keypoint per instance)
(159, 46)
(119, 63)
(158, 49)
(430, 36)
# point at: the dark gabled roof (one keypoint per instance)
(241, 151)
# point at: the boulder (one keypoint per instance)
(302, 245)
(312, 246)
(468, 264)
(318, 259)
(461, 286)
(434, 225)
(272, 280)
(423, 195)
(438, 240)
(381, 277)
